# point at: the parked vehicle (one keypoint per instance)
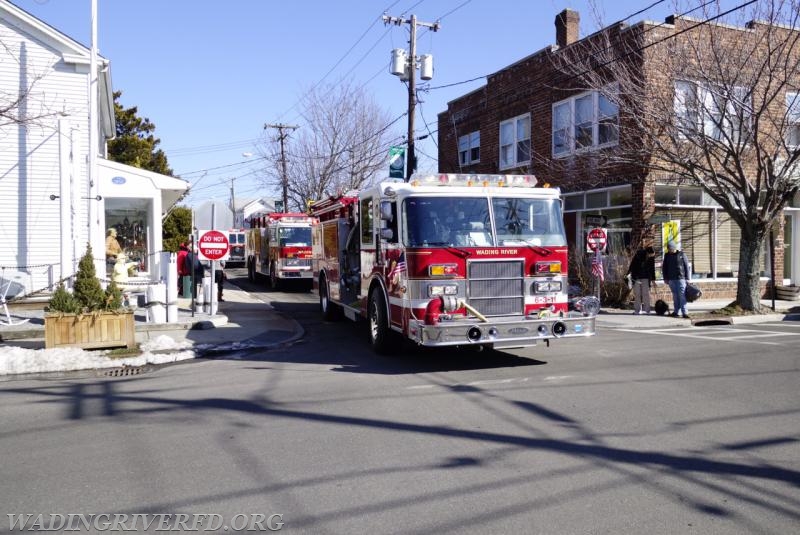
(278, 247)
(237, 240)
(448, 260)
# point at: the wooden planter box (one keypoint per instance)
(90, 331)
(787, 293)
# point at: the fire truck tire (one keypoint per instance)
(380, 336)
(274, 281)
(330, 311)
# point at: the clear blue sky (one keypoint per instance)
(210, 74)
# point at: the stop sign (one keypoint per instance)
(213, 245)
(596, 239)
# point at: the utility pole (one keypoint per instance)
(233, 206)
(410, 73)
(284, 179)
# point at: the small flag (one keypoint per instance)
(398, 268)
(597, 266)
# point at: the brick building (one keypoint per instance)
(574, 114)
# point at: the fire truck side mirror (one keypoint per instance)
(386, 211)
(387, 234)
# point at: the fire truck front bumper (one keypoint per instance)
(502, 332)
(297, 273)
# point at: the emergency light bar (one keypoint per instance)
(463, 179)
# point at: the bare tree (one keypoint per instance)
(706, 104)
(342, 144)
(20, 105)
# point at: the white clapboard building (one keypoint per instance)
(50, 207)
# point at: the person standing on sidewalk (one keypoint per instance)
(643, 272)
(676, 271)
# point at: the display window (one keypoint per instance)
(129, 218)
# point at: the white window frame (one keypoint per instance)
(521, 137)
(565, 136)
(467, 145)
(699, 107)
(793, 119)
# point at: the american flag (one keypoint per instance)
(398, 268)
(597, 266)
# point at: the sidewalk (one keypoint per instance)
(698, 315)
(241, 322)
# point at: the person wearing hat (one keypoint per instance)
(675, 269)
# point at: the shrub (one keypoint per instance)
(87, 295)
(63, 301)
(614, 291)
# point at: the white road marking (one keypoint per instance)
(736, 339)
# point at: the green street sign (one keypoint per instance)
(397, 162)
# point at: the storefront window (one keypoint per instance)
(690, 196)
(129, 217)
(666, 195)
(620, 196)
(597, 199)
(573, 202)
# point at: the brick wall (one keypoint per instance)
(533, 84)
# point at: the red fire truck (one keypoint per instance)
(449, 260)
(279, 248)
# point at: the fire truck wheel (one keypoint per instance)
(274, 281)
(330, 311)
(379, 332)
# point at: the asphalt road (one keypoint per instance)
(679, 430)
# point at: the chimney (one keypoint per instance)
(567, 27)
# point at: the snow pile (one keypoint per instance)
(161, 350)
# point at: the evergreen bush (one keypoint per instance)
(87, 295)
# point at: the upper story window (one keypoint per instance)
(515, 141)
(584, 122)
(793, 119)
(469, 148)
(720, 113)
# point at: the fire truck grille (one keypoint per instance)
(497, 288)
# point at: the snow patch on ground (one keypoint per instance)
(160, 350)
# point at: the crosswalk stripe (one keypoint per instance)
(700, 336)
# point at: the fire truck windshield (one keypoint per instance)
(465, 222)
(529, 221)
(294, 236)
(447, 221)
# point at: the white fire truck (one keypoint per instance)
(449, 260)
(236, 252)
(279, 248)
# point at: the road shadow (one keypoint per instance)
(344, 345)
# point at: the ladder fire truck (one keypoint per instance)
(279, 248)
(449, 260)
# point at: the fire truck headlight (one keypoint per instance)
(546, 287)
(442, 289)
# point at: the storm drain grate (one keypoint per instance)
(125, 372)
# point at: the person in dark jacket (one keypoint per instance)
(219, 279)
(192, 264)
(643, 272)
(676, 272)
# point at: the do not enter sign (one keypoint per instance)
(596, 239)
(213, 245)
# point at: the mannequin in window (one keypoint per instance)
(113, 248)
